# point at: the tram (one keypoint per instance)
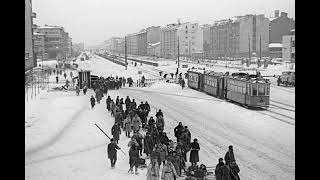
(247, 90)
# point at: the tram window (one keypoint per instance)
(254, 89)
(261, 91)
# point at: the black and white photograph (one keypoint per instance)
(160, 90)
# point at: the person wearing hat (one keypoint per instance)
(112, 152)
(153, 170)
(231, 162)
(116, 131)
(194, 154)
(178, 131)
(222, 172)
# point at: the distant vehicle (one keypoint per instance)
(287, 78)
(247, 90)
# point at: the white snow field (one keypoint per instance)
(63, 143)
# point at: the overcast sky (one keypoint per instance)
(93, 21)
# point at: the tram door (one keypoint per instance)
(201, 82)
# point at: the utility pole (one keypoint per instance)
(125, 51)
(260, 53)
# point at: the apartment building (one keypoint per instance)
(289, 44)
(280, 26)
(169, 41)
(190, 39)
(142, 43)
(30, 59)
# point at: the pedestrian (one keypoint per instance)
(194, 154)
(128, 126)
(93, 101)
(183, 83)
(160, 123)
(231, 162)
(127, 102)
(112, 152)
(148, 144)
(163, 151)
(77, 90)
(159, 113)
(108, 101)
(85, 88)
(133, 159)
(116, 131)
(139, 137)
(178, 131)
(57, 79)
(65, 76)
(222, 171)
(153, 170)
(168, 172)
(71, 74)
(136, 123)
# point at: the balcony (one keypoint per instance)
(33, 15)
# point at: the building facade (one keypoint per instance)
(132, 44)
(275, 50)
(154, 49)
(153, 34)
(142, 43)
(235, 37)
(280, 26)
(38, 46)
(288, 50)
(57, 44)
(206, 40)
(169, 41)
(190, 39)
(30, 59)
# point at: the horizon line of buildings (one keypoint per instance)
(237, 37)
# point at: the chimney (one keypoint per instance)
(276, 13)
(283, 14)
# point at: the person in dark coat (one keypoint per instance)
(85, 88)
(133, 104)
(178, 131)
(194, 154)
(112, 152)
(222, 171)
(116, 131)
(231, 162)
(108, 103)
(159, 113)
(148, 144)
(183, 83)
(93, 101)
(127, 102)
(151, 123)
(133, 159)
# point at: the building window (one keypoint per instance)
(26, 56)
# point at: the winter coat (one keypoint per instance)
(136, 122)
(148, 144)
(168, 172)
(229, 157)
(163, 151)
(178, 131)
(153, 172)
(175, 160)
(159, 113)
(93, 101)
(160, 122)
(127, 124)
(133, 156)
(112, 150)
(194, 154)
(222, 172)
(133, 142)
(115, 131)
(139, 137)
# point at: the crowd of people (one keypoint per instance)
(148, 140)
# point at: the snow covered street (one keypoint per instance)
(63, 143)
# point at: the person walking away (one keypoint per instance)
(153, 170)
(108, 101)
(128, 125)
(178, 131)
(65, 75)
(183, 83)
(77, 90)
(85, 88)
(116, 131)
(168, 172)
(222, 171)
(133, 159)
(112, 152)
(127, 102)
(231, 162)
(163, 151)
(57, 79)
(93, 101)
(194, 154)
(159, 113)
